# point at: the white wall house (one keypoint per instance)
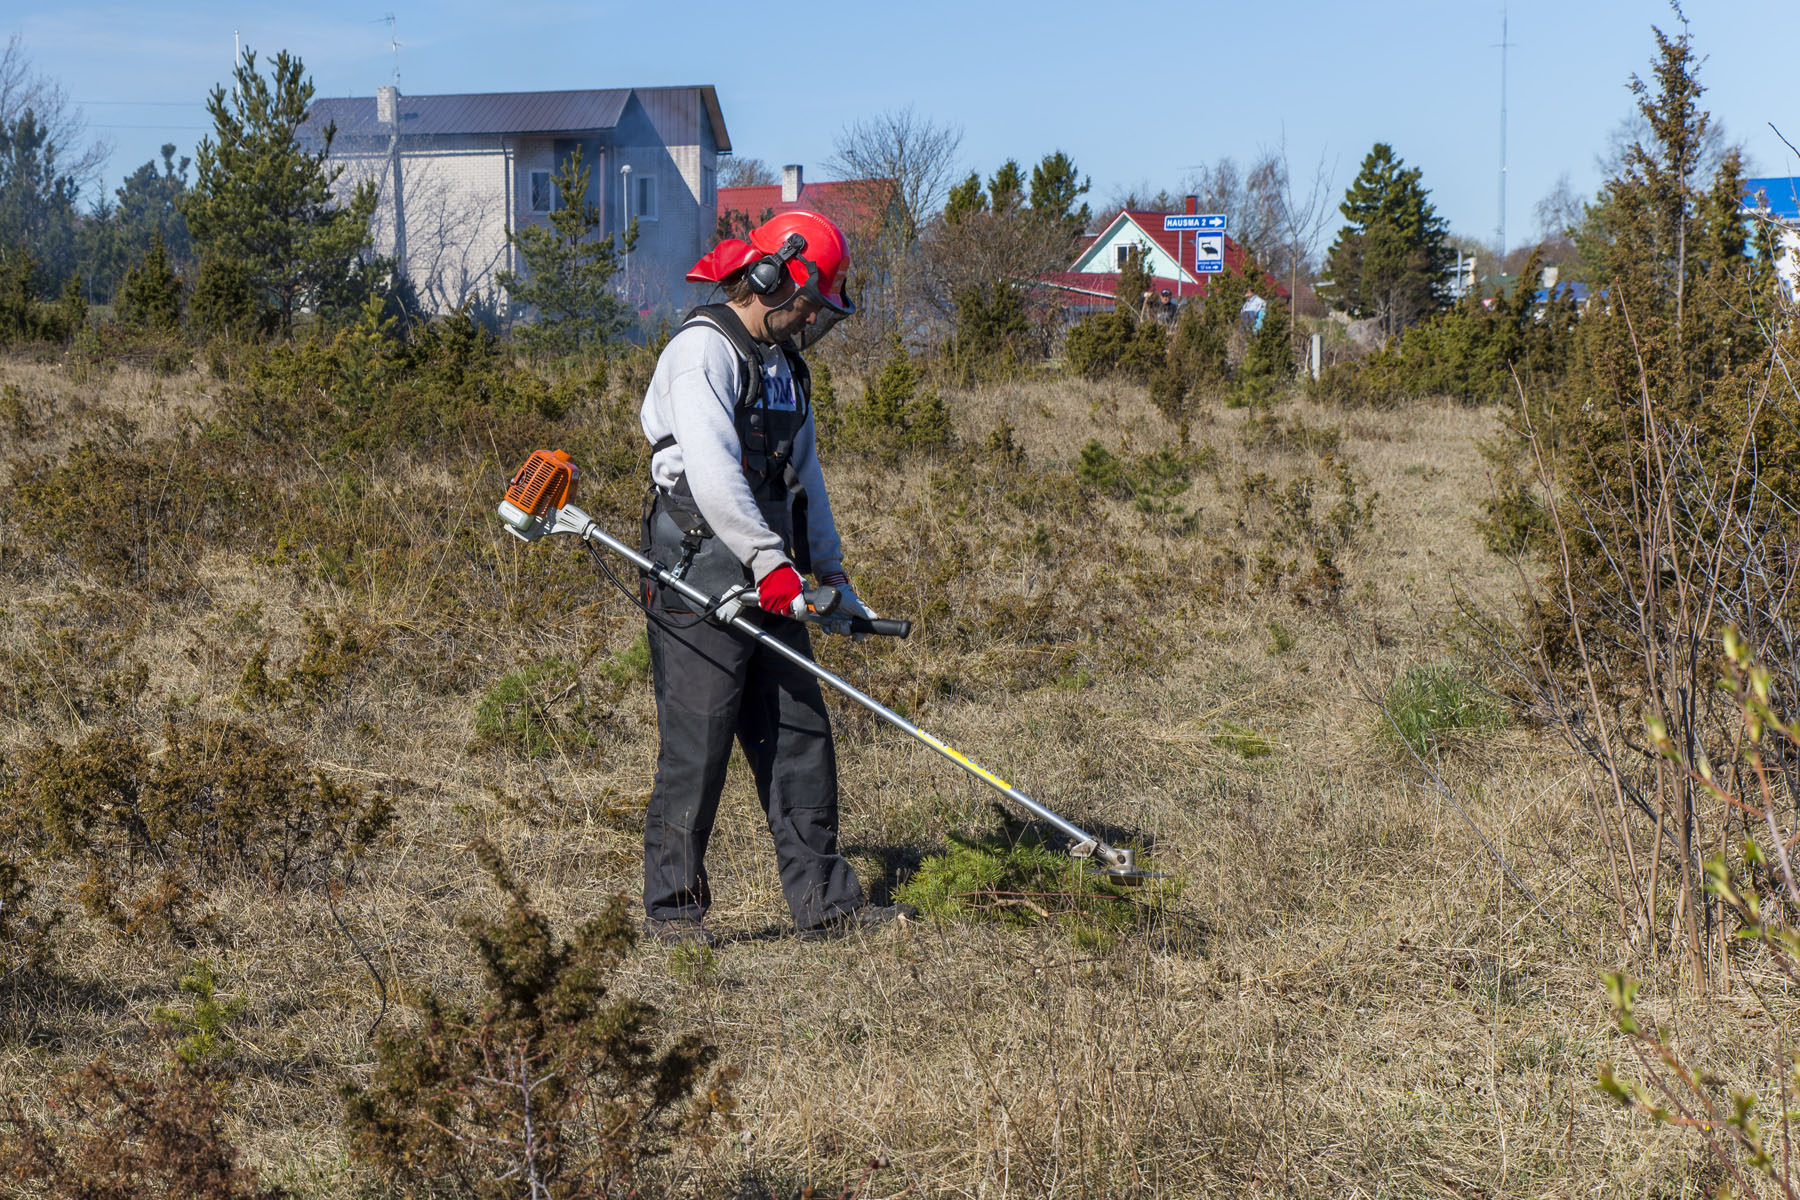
(456, 173)
(1777, 199)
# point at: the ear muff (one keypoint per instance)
(766, 273)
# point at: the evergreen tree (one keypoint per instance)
(566, 284)
(1006, 188)
(264, 203)
(223, 302)
(1134, 282)
(1391, 260)
(149, 204)
(1674, 254)
(965, 200)
(37, 202)
(150, 296)
(1055, 187)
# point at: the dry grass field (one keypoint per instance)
(1345, 999)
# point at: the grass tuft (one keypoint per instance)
(1427, 703)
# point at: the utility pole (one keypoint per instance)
(1502, 226)
(625, 225)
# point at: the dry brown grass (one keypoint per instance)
(1348, 1000)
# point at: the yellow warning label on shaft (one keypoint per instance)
(966, 761)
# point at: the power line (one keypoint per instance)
(142, 103)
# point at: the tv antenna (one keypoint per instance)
(394, 44)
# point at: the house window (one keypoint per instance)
(709, 187)
(646, 198)
(543, 192)
(1124, 252)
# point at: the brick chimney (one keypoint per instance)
(387, 105)
(1192, 205)
(790, 183)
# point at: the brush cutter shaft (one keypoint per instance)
(570, 519)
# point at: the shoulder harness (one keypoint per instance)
(767, 456)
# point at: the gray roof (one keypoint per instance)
(494, 112)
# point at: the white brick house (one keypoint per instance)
(455, 173)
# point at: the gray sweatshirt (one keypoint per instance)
(692, 396)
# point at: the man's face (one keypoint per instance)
(781, 323)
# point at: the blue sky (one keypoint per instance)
(1134, 95)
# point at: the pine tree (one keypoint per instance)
(150, 296)
(1390, 261)
(965, 200)
(149, 201)
(1006, 188)
(37, 202)
(566, 284)
(264, 203)
(223, 302)
(1055, 187)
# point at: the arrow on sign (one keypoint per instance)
(1175, 221)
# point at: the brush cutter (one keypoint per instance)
(539, 501)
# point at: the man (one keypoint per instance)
(737, 498)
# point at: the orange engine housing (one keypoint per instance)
(546, 481)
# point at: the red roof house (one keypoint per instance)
(1091, 280)
(855, 204)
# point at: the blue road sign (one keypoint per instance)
(1209, 253)
(1176, 221)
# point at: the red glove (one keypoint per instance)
(778, 590)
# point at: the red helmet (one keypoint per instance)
(810, 248)
(821, 264)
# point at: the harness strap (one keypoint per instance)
(761, 462)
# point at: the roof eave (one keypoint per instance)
(709, 96)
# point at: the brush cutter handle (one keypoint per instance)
(816, 604)
(881, 626)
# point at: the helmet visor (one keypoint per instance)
(840, 303)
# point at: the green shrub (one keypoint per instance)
(1114, 344)
(1426, 703)
(1102, 470)
(26, 926)
(1151, 481)
(219, 799)
(1269, 350)
(993, 335)
(74, 660)
(630, 665)
(150, 297)
(109, 1134)
(131, 517)
(545, 1085)
(328, 662)
(1469, 352)
(537, 710)
(198, 1029)
(896, 411)
(24, 315)
(1019, 881)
